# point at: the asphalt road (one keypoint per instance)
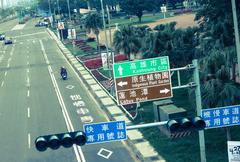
(35, 101)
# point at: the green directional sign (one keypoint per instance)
(141, 67)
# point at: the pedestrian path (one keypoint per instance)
(141, 147)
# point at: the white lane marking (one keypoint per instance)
(28, 112)
(9, 59)
(82, 111)
(27, 55)
(5, 73)
(104, 153)
(87, 119)
(29, 34)
(77, 149)
(69, 86)
(27, 63)
(28, 82)
(29, 140)
(2, 84)
(1, 58)
(8, 65)
(27, 70)
(28, 93)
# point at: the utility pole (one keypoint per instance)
(104, 26)
(49, 10)
(58, 7)
(199, 108)
(69, 11)
(236, 31)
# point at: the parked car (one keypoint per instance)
(2, 37)
(40, 24)
(8, 41)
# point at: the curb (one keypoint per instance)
(144, 152)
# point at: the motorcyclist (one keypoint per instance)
(63, 71)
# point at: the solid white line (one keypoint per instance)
(5, 73)
(29, 140)
(2, 84)
(28, 111)
(77, 149)
(28, 93)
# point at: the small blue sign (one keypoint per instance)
(105, 132)
(221, 117)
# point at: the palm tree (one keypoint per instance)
(218, 89)
(127, 41)
(93, 22)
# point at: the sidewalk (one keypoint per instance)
(142, 148)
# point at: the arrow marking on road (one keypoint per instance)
(120, 69)
(121, 84)
(164, 91)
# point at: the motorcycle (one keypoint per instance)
(63, 73)
(64, 76)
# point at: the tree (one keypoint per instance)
(127, 41)
(76, 4)
(137, 7)
(93, 22)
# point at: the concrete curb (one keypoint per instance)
(142, 148)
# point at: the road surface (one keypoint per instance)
(35, 101)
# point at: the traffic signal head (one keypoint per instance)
(186, 124)
(54, 141)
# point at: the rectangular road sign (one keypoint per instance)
(221, 116)
(105, 132)
(142, 80)
(138, 67)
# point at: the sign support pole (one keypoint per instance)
(199, 108)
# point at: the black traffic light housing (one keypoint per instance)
(54, 141)
(185, 124)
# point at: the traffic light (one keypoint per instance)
(54, 141)
(185, 124)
